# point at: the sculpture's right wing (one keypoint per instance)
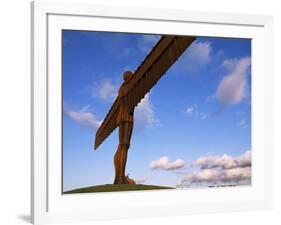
(158, 61)
(109, 124)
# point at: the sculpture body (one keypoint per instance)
(125, 122)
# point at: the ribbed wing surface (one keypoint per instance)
(108, 125)
(157, 62)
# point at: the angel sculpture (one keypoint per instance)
(135, 86)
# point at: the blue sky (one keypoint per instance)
(193, 128)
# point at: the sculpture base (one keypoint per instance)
(124, 180)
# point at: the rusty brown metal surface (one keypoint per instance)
(157, 62)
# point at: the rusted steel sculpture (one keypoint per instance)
(136, 85)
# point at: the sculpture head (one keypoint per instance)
(127, 76)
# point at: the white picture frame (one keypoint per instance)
(48, 205)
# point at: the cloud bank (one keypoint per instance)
(144, 114)
(165, 164)
(224, 161)
(219, 170)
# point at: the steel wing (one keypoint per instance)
(157, 62)
(155, 65)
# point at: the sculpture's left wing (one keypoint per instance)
(158, 61)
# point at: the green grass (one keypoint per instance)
(116, 187)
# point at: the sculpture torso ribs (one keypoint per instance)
(124, 115)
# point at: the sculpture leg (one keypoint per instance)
(117, 164)
(120, 158)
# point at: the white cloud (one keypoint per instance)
(220, 170)
(83, 117)
(200, 52)
(144, 114)
(196, 56)
(232, 88)
(141, 180)
(191, 109)
(105, 89)
(165, 164)
(242, 124)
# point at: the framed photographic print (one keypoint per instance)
(148, 112)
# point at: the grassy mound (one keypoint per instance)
(116, 187)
